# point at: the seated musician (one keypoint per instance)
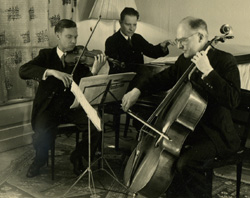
(215, 136)
(53, 99)
(129, 47)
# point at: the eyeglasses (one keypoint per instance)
(184, 39)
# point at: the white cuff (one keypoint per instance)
(45, 75)
(206, 74)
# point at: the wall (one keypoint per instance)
(15, 127)
(167, 13)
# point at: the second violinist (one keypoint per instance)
(51, 105)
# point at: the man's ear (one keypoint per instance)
(57, 35)
(201, 36)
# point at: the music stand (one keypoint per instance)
(96, 89)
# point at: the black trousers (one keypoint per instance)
(45, 129)
(190, 180)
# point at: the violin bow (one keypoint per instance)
(85, 47)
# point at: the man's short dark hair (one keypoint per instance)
(64, 23)
(130, 12)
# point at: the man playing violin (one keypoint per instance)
(217, 75)
(53, 99)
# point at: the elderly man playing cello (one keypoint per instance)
(218, 77)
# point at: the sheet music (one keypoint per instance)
(98, 83)
(165, 59)
(119, 85)
(90, 111)
(94, 86)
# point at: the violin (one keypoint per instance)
(87, 58)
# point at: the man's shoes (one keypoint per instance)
(78, 166)
(33, 170)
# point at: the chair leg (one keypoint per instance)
(77, 137)
(209, 176)
(116, 120)
(239, 172)
(53, 160)
(126, 126)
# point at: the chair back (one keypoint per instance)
(241, 117)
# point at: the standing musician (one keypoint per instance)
(52, 102)
(215, 135)
(128, 47)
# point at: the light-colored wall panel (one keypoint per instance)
(15, 126)
(166, 14)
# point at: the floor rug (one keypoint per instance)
(14, 183)
(229, 172)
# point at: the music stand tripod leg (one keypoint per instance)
(102, 158)
(88, 170)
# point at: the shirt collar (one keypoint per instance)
(125, 36)
(60, 52)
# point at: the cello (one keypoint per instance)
(151, 166)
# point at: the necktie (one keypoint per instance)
(130, 42)
(63, 60)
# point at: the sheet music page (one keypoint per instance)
(87, 84)
(90, 111)
(93, 87)
(119, 85)
(165, 59)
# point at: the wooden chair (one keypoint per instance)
(241, 118)
(66, 129)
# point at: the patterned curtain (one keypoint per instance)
(57, 10)
(26, 27)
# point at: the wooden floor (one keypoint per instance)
(14, 184)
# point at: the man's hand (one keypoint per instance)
(165, 44)
(100, 60)
(130, 98)
(64, 77)
(201, 61)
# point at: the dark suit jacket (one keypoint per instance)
(51, 87)
(222, 87)
(117, 47)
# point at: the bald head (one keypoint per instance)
(192, 35)
(195, 24)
